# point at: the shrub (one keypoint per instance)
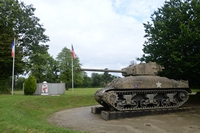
(30, 85)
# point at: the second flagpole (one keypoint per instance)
(72, 76)
(13, 69)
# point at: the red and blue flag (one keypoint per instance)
(73, 53)
(13, 49)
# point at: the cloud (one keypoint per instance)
(104, 33)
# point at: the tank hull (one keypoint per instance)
(143, 92)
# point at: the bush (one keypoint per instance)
(30, 85)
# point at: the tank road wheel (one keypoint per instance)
(156, 103)
(143, 103)
(112, 97)
(165, 102)
(134, 103)
(175, 101)
(182, 95)
(121, 103)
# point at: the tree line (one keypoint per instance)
(95, 80)
(59, 70)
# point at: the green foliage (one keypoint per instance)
(43, 67)
(64, 60)
(24, 114)
(87, 81)
(4, 87)
(173, 40)
(8, 10)
(101, 80)
(195, 90)
(17, 21)
(97, 80)
(30, 85)
(107, 78)
(19, 83)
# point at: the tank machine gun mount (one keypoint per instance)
(141, 89)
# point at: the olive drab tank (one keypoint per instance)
(141, 89)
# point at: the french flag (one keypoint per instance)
(13, 50)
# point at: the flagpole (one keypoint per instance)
(13, 69)
(73, 56)
(72, 77)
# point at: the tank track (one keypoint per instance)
(145, 99)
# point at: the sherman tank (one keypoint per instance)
(141, 89)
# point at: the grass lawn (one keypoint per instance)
(21, 113)
(195, 90)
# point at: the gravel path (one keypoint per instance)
(83, 120)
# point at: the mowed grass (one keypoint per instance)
(195, 90)
(21, 113)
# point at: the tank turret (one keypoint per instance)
(141, 89)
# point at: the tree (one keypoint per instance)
(64, 60)
(19, 83)
(87, 81)
(107, 78)
(43, 67)
(30, 85)
(97, 80)
(17, 21)
(173, 40)
(52, 70)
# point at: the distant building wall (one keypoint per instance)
(53, 89)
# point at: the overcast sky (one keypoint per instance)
(104, 33)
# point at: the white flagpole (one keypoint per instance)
(72, 69)
(13, 70)
(72, 77)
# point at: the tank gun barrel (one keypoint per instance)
(100, 70)
(151, 68)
